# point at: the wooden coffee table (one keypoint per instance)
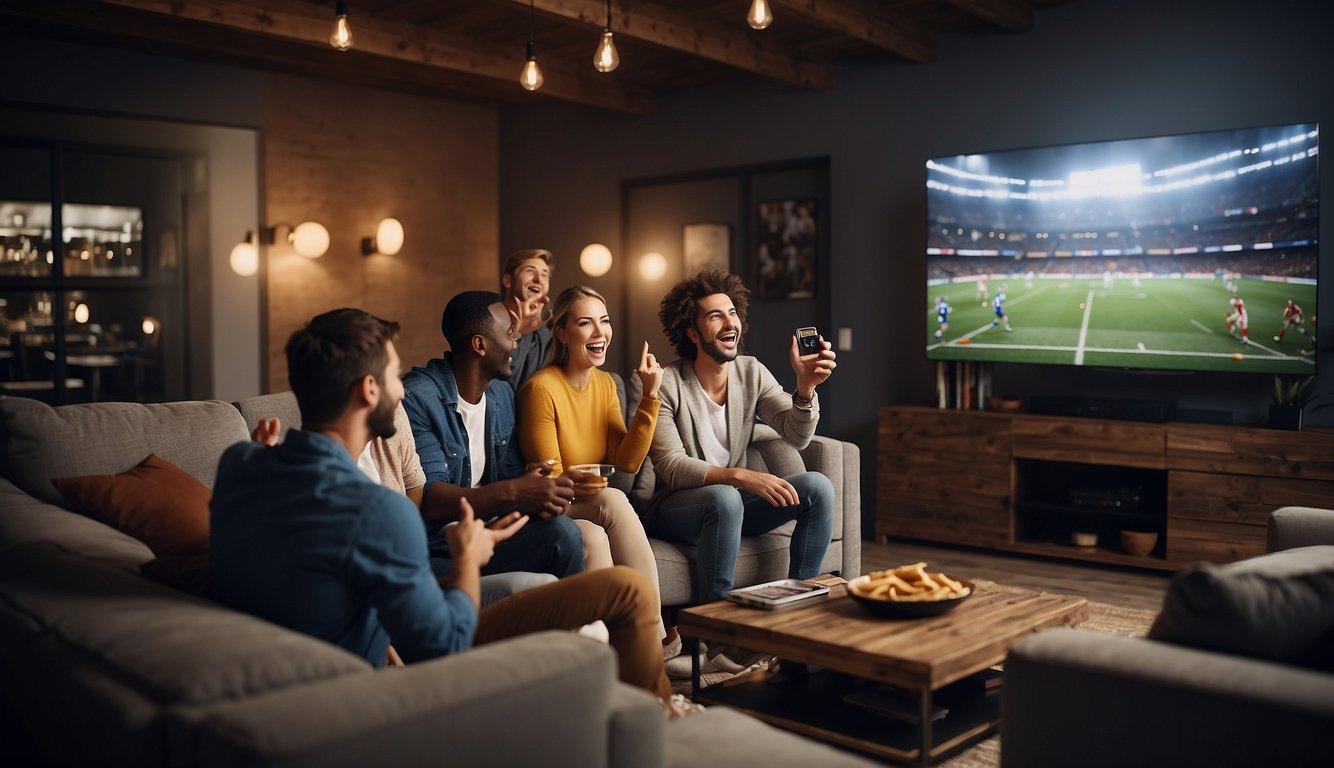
(936, 660)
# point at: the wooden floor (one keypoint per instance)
(1125, 587)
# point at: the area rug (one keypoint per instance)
(1102, 617)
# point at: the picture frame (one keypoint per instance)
(786, 258)
(707, 246)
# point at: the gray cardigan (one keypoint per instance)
(752, 391)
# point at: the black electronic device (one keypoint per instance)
(808, 341)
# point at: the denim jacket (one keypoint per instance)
(430, 398)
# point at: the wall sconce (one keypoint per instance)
(245, 256)
(595, 259)
(652, 266)
(388, 239)
(309, 238)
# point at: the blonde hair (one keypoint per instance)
(519, 257)
(560, 314)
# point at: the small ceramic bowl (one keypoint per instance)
(1084, 539)
(893, 609)
(1138, 542)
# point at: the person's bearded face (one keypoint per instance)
(381, 419)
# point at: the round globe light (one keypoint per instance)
(310, 239)
(244, 259)
(150, 325)
(652, 266)
(389, 237)
(81, 313)
(595, 259)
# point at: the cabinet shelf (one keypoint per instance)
(1134, 520)
(1091, 554)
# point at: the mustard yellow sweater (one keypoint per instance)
(581, 426)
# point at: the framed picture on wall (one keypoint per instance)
(707, 246)
(786, 249)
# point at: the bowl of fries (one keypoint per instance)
(909, 591)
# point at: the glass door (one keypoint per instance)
(99, 312)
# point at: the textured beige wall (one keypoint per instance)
(349, 157)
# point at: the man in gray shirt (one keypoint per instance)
(525, 285)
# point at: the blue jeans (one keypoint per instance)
(715, 517)
(552, 546)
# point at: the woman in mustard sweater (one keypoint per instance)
(569, 413)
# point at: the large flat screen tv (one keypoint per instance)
(1173, 252)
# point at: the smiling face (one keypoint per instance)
(501, 341)
(530, 279)
(586, 332)
(717, 328)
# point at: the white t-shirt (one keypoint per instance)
(474, 423)
(366, 463)
(713, 440)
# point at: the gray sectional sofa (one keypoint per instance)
(762, 558)
(101, 666)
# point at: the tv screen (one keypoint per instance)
(1189, 252)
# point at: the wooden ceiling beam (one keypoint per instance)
(866, 21)
(1011, 15)
(669, 28)
(307, 24)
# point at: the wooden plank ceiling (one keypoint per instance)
(474, 49)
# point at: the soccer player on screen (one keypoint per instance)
(998, 304)
(1292, 318)
(1236, 319)
(982, 289)
(942, 316)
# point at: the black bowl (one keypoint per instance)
(904, 610)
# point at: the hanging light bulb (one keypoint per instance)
(605, 58)
(341, 36)
(531, 76)
(760, 15)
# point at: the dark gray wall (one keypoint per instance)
(1095, 69)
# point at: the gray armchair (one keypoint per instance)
(764, 557)
(1075, 697)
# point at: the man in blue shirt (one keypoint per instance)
(463, 422)
(300, 537)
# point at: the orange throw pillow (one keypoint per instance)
(159, 504)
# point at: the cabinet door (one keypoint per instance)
(944, 476)
(1222, 517)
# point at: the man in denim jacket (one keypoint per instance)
(462, 415)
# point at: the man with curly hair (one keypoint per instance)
(711, 396)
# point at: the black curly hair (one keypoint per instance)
(678, 310)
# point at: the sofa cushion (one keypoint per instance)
(38, 442)
(1278, 606)
(25, 520)
(159, 504)
(171, 647)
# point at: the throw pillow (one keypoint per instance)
(159, 504)
(1278, 607)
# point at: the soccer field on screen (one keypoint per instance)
(1164, 322)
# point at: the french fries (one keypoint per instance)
(909, 584)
